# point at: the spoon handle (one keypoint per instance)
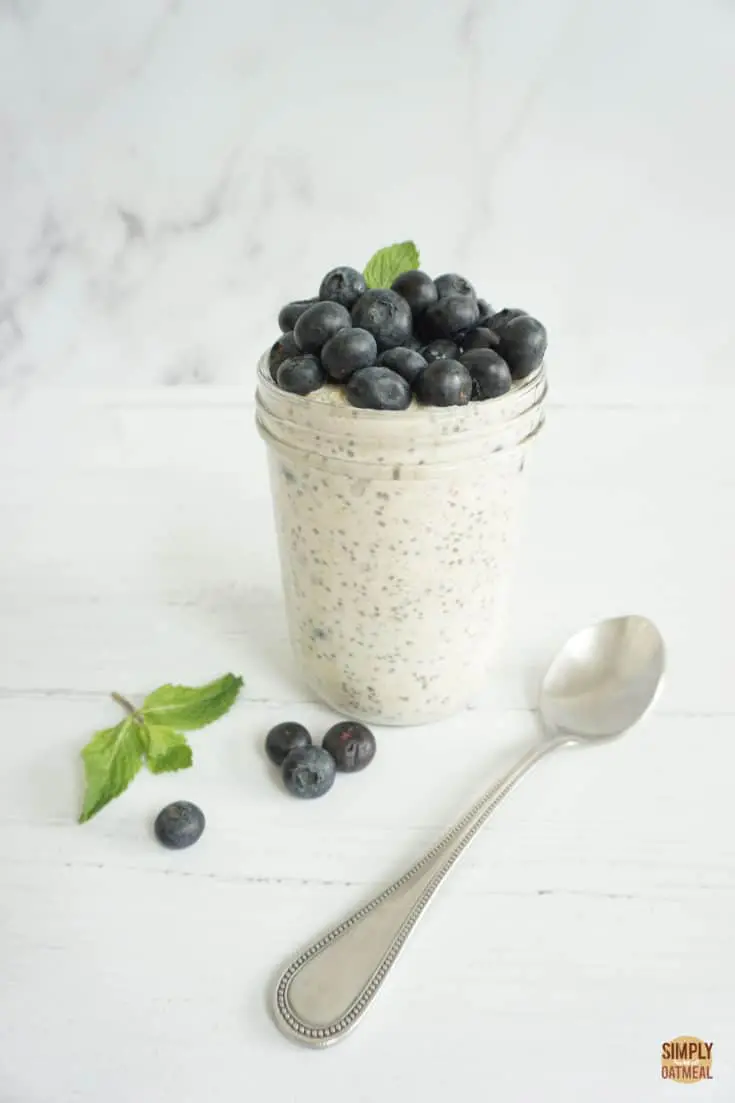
(325, 991)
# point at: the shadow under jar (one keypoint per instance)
(397, 538)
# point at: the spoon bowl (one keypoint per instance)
(604, 680)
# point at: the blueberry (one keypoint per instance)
(502, 317)
(444, 383)
(301, 374)
(452, 284)
(291, 312)
(318, 323)
(407, 362)
(308, 772)
(412, 342)
(522, 344)
(179, 824)
(282, 349)
(480, 338)
(378, 388)
(284, 738)
(440, 350)
(347, 352)
(384, 314)
(343, 285)
(490, 373)
(418, 289)
(451, 315)
(485, 310)
(351, 745)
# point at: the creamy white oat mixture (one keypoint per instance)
(395, 584)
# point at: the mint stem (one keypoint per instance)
(126, 705)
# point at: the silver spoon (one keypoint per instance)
(600, 684)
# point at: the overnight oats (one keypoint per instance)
(397, 422)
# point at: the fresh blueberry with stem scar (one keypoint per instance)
(308, 772)
(291, 312)
(442, 349)
(444, 383)
(282, 349)
(418, 289)
(351, 745)
(378, 388)
(490, 373)
(284, 738)
(451, 315)
(179, 824)
(407, 362)
(301, 375)
(347, 352)
(384, 314)
(318, 323)
(452, 284)
(343, 285)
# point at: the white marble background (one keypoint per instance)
(171, 171)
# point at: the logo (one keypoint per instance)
(687, 1060)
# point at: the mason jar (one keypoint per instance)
(397, 539)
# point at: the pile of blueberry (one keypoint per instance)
(434, 340)
(309, 771)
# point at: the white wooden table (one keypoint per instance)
(592, 920)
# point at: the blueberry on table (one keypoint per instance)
(378, 388)
(407, 362)
(318, 323)
(452, 284)
(384, 314)
(179, 824)
(490, 373)
(283, 739)
(451, 315)
(308, 772)
(444, 383)
(347, 352)
(522, 345)
(291, 312)
(301, 374)
(418, 289)
(480, 338)
(343, 285)
(442, 349)
(351, 745)
(282, 349)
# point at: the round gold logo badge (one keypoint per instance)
(686, 1060)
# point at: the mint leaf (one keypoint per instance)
(388, 263)
(112, 758)
(189, 708)
(166, 749)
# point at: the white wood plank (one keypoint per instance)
(599, 903)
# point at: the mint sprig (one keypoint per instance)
(149, 734)
(388, 263)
